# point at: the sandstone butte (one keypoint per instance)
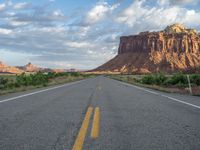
(29, 68)
(174, 49)
(8, 69)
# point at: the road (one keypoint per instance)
(99, 114)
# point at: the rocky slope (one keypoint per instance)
(173, 49)
(8, 69)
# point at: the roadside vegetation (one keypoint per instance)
(22, 82)
(169, 83)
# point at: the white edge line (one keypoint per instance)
(25, 95)
(152, 92)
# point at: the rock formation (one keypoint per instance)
(8, 69)
(5, 69)
(30, 68)
(171, 50)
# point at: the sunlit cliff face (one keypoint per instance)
(174, 49)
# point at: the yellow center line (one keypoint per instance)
(96, 124)
(83, 130)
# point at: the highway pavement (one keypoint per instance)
(99, 114)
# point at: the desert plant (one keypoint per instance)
(178, 79)
(195, 79)
(32, 79)
(3, 82)
(148, 79)
(160, 79)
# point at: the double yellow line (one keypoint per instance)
(83, 130)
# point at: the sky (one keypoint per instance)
(82, 34)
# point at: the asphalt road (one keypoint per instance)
(126, 118)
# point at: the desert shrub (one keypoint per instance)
(195, 79)
(3, 82)
(36, 79)
(178, 79)
(51, 75)
(32, 79)
(22, 79)
(75, 74)
(157, 79)
(160, 79)
(148, 79)
(39, 79)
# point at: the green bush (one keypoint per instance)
(148, 79)
(195, 79)
(39, 79)
(3, 82)
(32, 79)
(51, 75)
(178, 79)
(160, 79)
(36, 79)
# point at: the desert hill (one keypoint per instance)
(174, 49)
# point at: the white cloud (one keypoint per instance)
(58, 13)
(17, 23)
(2, 6)
(21, 5)
(143, 17)
(99, 12)
(133, 13)
(5, 31)
(78, 44)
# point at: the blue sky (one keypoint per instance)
(82, 34)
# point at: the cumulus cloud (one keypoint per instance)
(99, 12)
(143, 17)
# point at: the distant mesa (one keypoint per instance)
(29, 68)
(5, 69)
(174, 49)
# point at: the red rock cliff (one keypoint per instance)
(174, 49)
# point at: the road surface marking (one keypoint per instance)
(29, 94)
(152, 92)
(83, 130)
(96, 124)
